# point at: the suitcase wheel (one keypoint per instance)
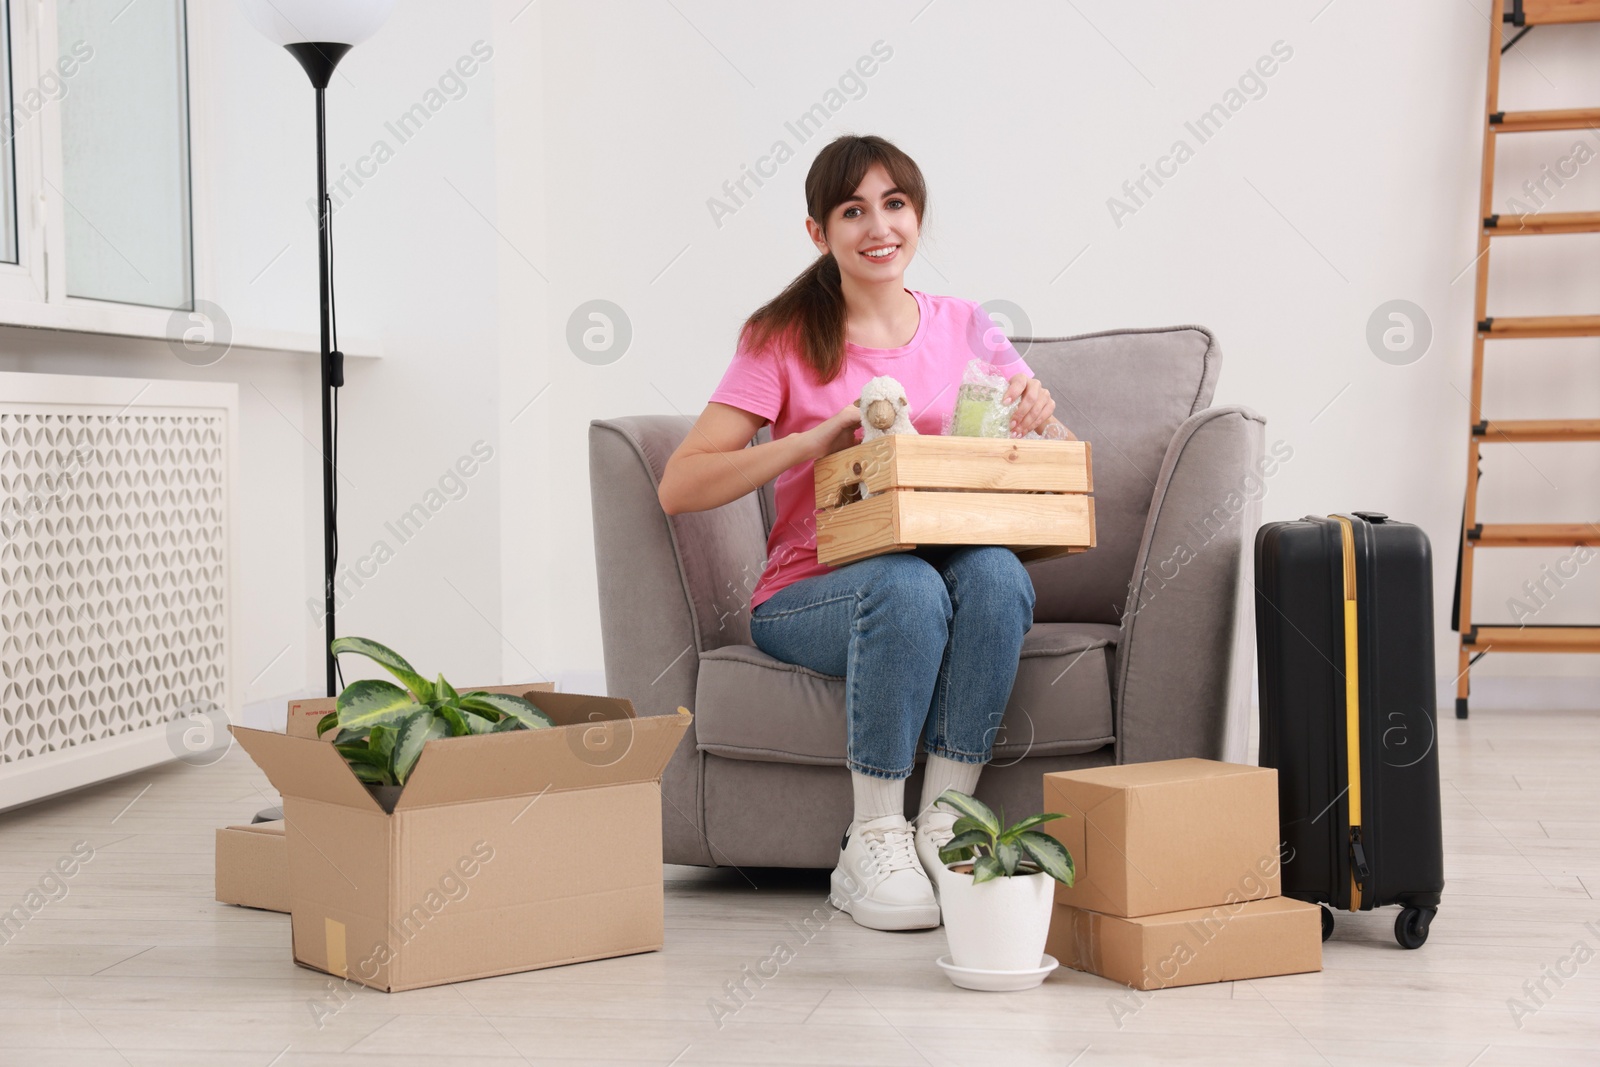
(1410, 926)
(1327, 922)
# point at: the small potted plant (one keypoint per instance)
(996, 890)
(382, 727)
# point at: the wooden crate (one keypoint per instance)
(1031, 496)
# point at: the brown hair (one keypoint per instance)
(811, 311)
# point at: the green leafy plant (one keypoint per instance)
(997, 850)
(382, 727)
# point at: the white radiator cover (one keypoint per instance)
(116, 572)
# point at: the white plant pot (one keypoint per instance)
(998, 925)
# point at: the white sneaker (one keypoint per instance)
(879, 882)
(933, 833)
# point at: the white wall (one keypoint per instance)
(416, 271)
(578, 164)
(1352, 181)
(539, 524)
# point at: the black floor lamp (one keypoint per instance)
(318, 33)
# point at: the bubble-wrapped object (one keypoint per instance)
(979, 411)
(1053, 431)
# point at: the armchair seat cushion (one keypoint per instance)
(751, 706)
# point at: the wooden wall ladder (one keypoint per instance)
(1476, 640)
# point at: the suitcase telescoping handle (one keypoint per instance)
(1359, 869)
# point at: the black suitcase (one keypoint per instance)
(1344, 640)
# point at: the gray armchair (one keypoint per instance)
(1140, 648)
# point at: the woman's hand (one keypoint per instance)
(834, 434)
(1035, 408)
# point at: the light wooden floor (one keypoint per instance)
(137, 964)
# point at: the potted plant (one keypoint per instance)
(382, 726)
(996, 889)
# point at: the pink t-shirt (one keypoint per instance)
(780, 387)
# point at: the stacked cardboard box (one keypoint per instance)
(1177, 875)
(505, 852)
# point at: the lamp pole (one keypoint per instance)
(319, 60)
(318, 33)
(332, 378)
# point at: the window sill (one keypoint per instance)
(128, 320)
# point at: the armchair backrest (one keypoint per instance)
(674, 586)
(1126, 392)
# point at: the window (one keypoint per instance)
(95, 189)
(125, 151)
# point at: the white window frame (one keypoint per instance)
(33, 292)
(23, 284)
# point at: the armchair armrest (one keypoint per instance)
(1184, 657)
(649, 628)
(672, 587)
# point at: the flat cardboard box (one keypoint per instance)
(1165, 836)
(505, 852)
(305, 714)
(253, 866)
(1247, 939)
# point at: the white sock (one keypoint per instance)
(940, 774)
(877, 797)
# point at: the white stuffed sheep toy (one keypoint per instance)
(884, 410)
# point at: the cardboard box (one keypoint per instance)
(253, 866)
(505, 852)
(1247, 939)
(1156, 837)
(305, 714)
(928, 489)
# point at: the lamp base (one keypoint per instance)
(319, 59)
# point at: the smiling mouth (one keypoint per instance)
(887, 255)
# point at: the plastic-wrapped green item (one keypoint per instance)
(978, 411)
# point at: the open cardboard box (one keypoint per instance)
(504, 852)
(252, 862)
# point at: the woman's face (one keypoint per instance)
(876, 218)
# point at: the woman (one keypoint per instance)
(928, 640)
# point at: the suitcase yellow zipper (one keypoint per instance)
(1352, 712)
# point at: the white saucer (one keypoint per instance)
(998, 981)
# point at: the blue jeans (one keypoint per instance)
(927, 643)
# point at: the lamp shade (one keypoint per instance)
(288, 22)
